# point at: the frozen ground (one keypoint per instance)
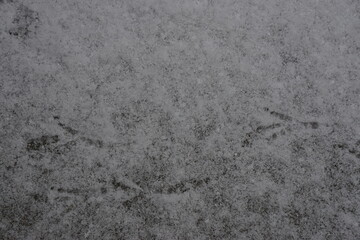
(179, 119)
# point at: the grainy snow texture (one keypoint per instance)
(180, 119)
